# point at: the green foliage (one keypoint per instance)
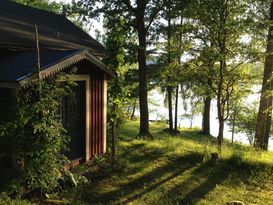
(36, 136)
(114, 42)
(244, 118)
(5, 200)
(41, 4)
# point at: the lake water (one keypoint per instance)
(159, 111)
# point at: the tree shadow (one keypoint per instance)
(148, 182)
(213, 173)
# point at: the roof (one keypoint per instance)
(17, 30)
(20, 69)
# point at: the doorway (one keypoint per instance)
(73, 109)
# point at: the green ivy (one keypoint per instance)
(37, 136)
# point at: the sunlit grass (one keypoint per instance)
(177, 170)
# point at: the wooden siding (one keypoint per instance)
(97, 114)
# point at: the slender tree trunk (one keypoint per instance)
(220, 137)
(191, 122)
(177, 87)
(233, 129)
(221, 104)
(170, 107)
(265, 108)
(133, 111)
(143, 93)
(206, 116)
(113, 143)
(169, 88)
(176, 109)
(113, 136)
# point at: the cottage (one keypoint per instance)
(63, 46)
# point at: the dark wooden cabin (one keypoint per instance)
(63, 46)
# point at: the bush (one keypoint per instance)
(5, 200)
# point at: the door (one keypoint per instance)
(73, 110)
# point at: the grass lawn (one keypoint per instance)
(176, 170)
(171, 170)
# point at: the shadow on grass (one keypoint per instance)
(196, 136)
(203, 178)
(171, 169)
(147, 182)
(211, 175)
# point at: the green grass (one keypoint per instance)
(173, 170)
(176, 170)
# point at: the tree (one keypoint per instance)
(115, 53)
(143, 11)
(171, 29)
(226, 23)
(243, 120)
(139, 17)
(42, 4)
(265, 109)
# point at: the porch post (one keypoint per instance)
(104, 134)
(87, 127)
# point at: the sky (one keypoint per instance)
(95, 25)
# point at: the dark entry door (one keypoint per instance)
(74, 118)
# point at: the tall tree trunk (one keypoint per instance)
(265, 108)
(221, 103)
(170, 107)
(133, 111)
(169, 88)
(176, 109)
(206, 116)
(233, 129)
(113, 136)
(177, 87)
(113, 142)
(220, 137)
(143, 93)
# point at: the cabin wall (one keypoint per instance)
(98, 114)
(97, 109)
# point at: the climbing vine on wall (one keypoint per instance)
(36, 135)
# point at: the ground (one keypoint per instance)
(176, 170)
(173, 170)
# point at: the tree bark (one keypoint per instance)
(113, 136)
(176, 109)
(170, 107)
(206, 116)
(143, 93)
(177, 87)
(169, 88)
(133, 111)
(221, 103)
(233, 129)
(113, 143)
(220, 137)
(265, 109)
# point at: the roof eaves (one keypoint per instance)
(54, 68)
(64, 63)
(97, 62)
